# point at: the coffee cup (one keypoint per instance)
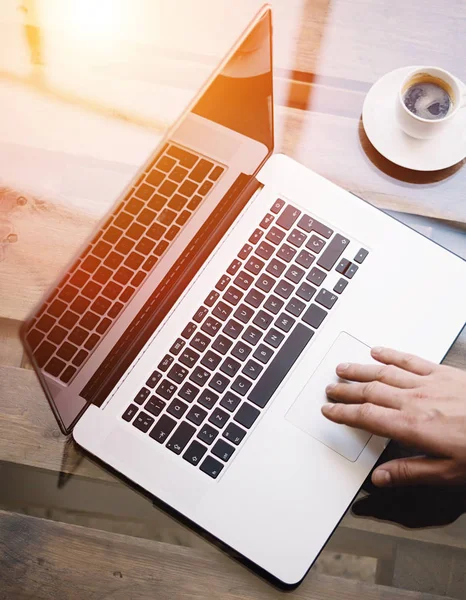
(428, 100)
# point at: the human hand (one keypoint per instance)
(413, 401)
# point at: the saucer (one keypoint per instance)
(385, 134)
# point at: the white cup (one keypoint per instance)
(419, 127)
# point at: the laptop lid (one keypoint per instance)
(238, 96)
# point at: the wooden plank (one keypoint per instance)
(11, 349)
(44, 560)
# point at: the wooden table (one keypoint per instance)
(87, 88)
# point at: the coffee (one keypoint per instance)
(428, 97)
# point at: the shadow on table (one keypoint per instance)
(413, 507)
(400, 173)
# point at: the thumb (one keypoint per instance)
(415, 471)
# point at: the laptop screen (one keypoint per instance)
(241, 96)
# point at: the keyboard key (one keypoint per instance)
(211, 467)
(286, 253)
(181, 437)
(155, 231)
(284, 322)
(230, 367)
(205, 188)
(297, 238)
(91, 341)
(78, 335)
(340, 286)
(138, 279)
(265, 250)
(252, 369)
(142, 396)
(145, 217)
(241, 351)
(165, 363)
(202, 169)
(266, 221)
(177, 346)
(91, 290)
(309, 224)
(195, 202)
(223, 450)
(196, 415)
(144, 191)
(183, 217)
(223, 282)
(115, 310)
(207, 434)
(315, 244)
(326, 298)
(68, 374)
(216, 173)
(342, 265)
(187, 189)
(265, 283)
(274, 338)
(233, 268)
(254, 265)
(211, 360)
(188, 330)
(294, 274)
(288, 217)
(112, 290)
(130, 412)
(172, 232)
(222, 311)
(247, 414)
(280, 366)
(232, 295)
(178, 174)
(166, 164)
(166, 217)
(154, 379)
(333, 252)
(55, 366)
(167, 188)
(211, 326)
(306, 291)
(263, 353)
(256, 236)
(361, 256)
(177, 408)
(134, 206)
(219, 383)
(275, 267)
(199, 376)
(34, 338)
(350, 272)
(208, 399)
(194, 453)
(245, 251)
(314, 316)
(211, 298)
(67, 351)
(88, 321)
(188, 391)
(273, 304)
(112, 235)
(241, 385)
(91, 263)
(252, 335)
(177, 373)
(316, 276)
(43, 353)
(222, 344)
(166, 389)
(162, 429)
(200, 342)
(143, 422)
(275, 236)
(161, 247)
(263, 319)
(219, 418)
(295, 307)
(57, 335)
(127, 293)
(284, 289)
(185, 158)
(244, 280)
(277, 206)
(233, 328)
(123, 275)
(305, 259)
(234, 434)
(80, 305)
(101, 249)
(243, 313)
(230, 401)
(125, 245)
(254, 298)
(200, 314)
(155, 406)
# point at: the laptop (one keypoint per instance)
(189, 343)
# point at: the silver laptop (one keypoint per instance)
(190, 342)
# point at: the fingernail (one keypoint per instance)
(327, 408)
(330, 387)
(377, 349)
(381, 477)
(342, 367)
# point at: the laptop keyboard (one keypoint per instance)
(206, 394)
(118, 260)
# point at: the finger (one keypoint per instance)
(418, 471)
(408, 362)
(388, 374)
(358, 393)
(378, 420)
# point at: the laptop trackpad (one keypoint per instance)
(306, 410)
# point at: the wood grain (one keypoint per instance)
(44, 560)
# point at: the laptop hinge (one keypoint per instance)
(173, 284)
